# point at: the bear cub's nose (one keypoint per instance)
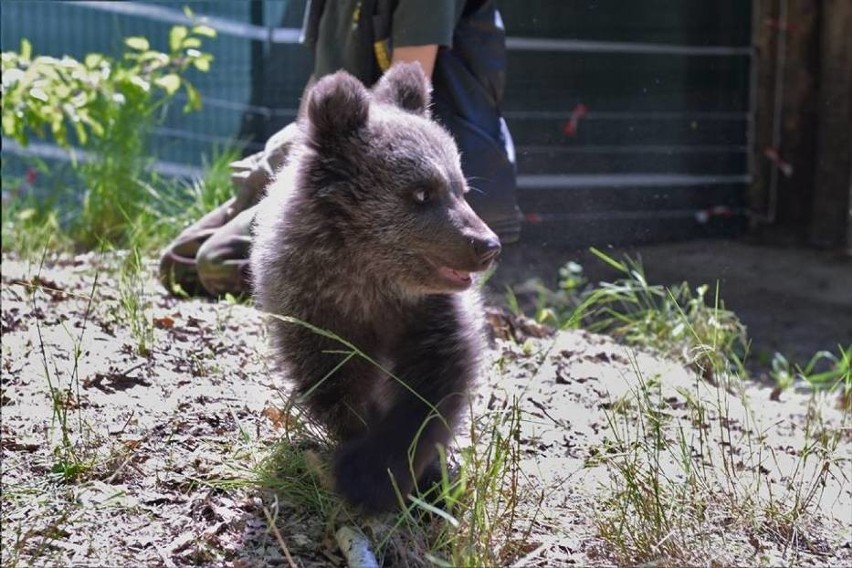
(486, 249)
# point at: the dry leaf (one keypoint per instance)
(165, 322)
(276, 416)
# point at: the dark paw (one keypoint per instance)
(431, 487)
(431, 478)
(361, 476)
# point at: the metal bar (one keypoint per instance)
(631, 48)
(213, 102)
(514, 114)
(222, 25)
(292, 35)
(651, 149)
(51, 151)
(629, 215)
(546, 181)
(54, 152)
(561, 115)
(177, 133)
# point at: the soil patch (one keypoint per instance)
(133, 425)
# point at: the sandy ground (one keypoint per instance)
(172, 433)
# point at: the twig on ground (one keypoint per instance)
(278, 537)
(529, 557)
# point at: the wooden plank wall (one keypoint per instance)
(802, 145)
(831, 217)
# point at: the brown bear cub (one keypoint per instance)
(366, 233)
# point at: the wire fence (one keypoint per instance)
(637, 112)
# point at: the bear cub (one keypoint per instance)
(366, 233)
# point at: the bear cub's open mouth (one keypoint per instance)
(458, 277)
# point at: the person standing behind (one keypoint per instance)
(459, 44)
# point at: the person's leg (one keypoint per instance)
(223, 259)
(178, 270)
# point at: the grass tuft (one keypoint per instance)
(677, 321)
(472, 518)
(685, 487)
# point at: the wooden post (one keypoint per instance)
(802, 156)
(830, 223)
(786, 41)
(765, 40)
(799, 124)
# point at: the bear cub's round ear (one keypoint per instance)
(405, 85)
(338, 104)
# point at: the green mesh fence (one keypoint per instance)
(77, 28)
(630, 119)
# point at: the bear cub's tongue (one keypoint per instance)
(459, 276)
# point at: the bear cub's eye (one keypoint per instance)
(422, 196)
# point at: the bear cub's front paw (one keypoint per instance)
(362, 475)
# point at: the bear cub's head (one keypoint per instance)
(386, 180)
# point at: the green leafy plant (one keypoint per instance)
(551, 307)
(105, 106)
(825, 370)
(677, 321)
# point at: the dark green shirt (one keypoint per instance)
(345, 41)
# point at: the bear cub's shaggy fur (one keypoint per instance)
(366, 233)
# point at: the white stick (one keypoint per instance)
(356, 548)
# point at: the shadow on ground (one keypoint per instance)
(795, 301)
